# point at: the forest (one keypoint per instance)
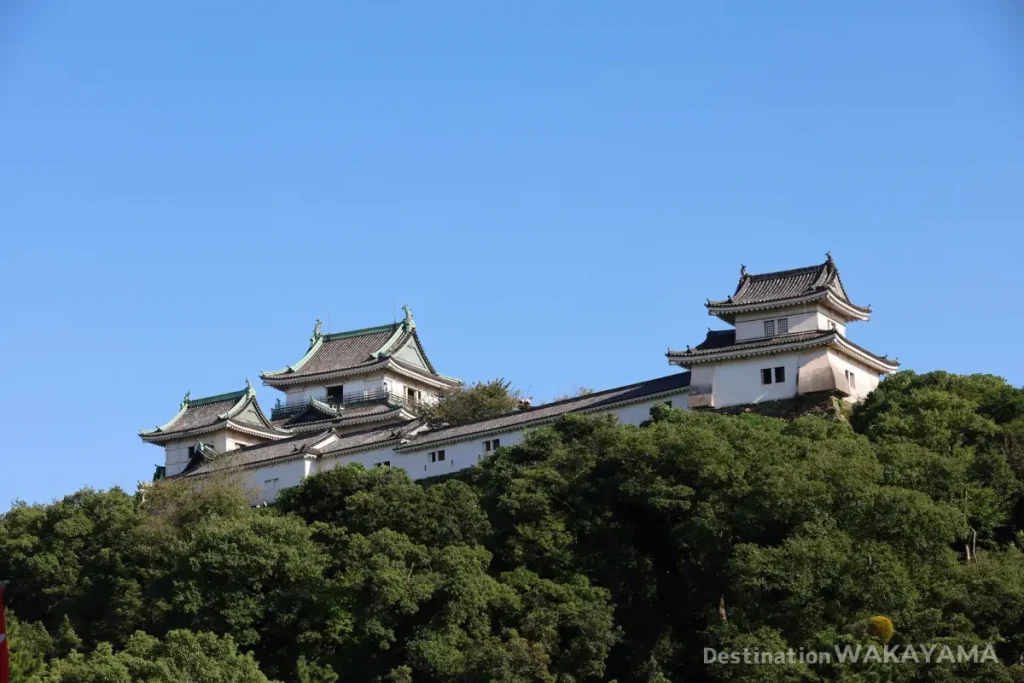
(591, 552)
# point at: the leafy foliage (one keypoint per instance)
(479, 401)
(591, 551)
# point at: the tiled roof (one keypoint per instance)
(724, 341)
(520, 418)
(314, 414)
(260, 453)
(205, 414)
(202, 413)
(782, 285)
(295, 446)
(369, 437)
(355, 350)
(341, 352)
(721, 340)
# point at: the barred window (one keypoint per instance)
(766, 376)
(780, 374)
(783, 325)
(769, 328)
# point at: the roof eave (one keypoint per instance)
(681, 359)
(728, 312)
(160, 430)
(540, 421)
(313, 348)
(881, 364)
(291, 380)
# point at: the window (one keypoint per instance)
(413, 395)
(436, 456)
(766, 376)
(492, 445)
(668, 403)
(383, 463)
(191, 452)
(780, 375)
(335, 394)
(769, 328)
(783, 325)
(853, 381)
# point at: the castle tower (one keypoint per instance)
(355, 379)
(789, 338)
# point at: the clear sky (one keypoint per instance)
(554, 188)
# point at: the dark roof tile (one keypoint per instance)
(781, 285)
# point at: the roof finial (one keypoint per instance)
(828, 259)
(184, 401)
(316, 332)
(743, 270)
(248, 386)
(408, 322)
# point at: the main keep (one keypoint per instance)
(355, 396)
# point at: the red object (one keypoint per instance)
(5, 672)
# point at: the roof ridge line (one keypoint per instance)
(218, 398)
(360, 332)
(791, 271)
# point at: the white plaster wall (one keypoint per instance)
(826, 321)
(176, 452)
(739, 382)
(637, 413)
(464, 454)
(801, 319)
(288, 474)
(300, 395)
(867, 379)
(397, 384)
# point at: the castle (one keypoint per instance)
(354, 396)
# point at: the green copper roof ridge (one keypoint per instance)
(389, 346)
(218, 398)
(360, 332)
(162, 428)
(313, 348)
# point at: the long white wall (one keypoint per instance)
(464, 454)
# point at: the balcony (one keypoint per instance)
(282, 411)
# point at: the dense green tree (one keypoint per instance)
(479, 401)
(180, 656)
(591, 551)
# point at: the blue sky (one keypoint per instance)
(555, 188)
